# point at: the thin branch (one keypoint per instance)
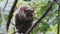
(39, 19)
(10, 14)
(3, 24)
(5, 5)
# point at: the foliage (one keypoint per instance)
(50, 19)
(21, 3)
(44, 25)
(0, 0)
(0, 15)
(6, 16)
(0, 19)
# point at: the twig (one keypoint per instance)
(39, 20)
(5, 5)
(10, 14)
(3, 24)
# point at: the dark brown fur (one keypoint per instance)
(24, 19)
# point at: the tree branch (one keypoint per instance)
(10, 14)
(5, 5)
(3, 24)
(39, 19)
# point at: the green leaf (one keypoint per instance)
(41, 10)
(6, 16)
(0, 21)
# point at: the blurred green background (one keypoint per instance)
(49, 25)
